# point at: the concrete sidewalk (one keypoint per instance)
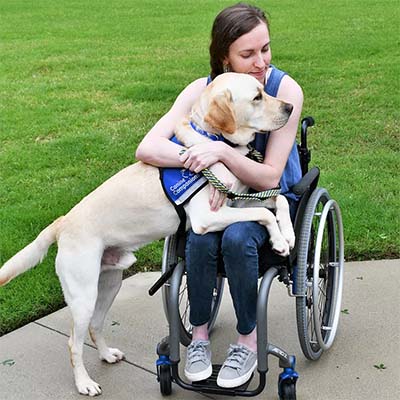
(39, 366)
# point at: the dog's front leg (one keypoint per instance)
(208, 221)
(284, 221)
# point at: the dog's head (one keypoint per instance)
(236, 106)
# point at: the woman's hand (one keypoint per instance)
(202, 155)
(217, 198)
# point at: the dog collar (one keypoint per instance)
(212, 136)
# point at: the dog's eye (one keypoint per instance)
(258, 97)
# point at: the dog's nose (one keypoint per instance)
(288, 108)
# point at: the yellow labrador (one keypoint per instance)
(123, 214)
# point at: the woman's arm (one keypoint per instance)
(156, 148)
(256, 175)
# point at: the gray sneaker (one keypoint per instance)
(238, 367)
(198, 361)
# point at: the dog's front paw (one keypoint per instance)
(289, 237)
(286, 228)
(112, 356)
(88, 387)
(280, 246)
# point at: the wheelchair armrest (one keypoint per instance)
(310, 179)
(303, 189)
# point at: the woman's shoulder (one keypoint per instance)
(197, 85)
(290, 88)
(284, 77)
(193, 90)
(186, 98)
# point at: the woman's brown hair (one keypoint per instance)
(231, 23)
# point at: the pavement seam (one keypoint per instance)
(94, 347)
(124, 360)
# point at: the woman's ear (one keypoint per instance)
(220, 113)
(225, 66)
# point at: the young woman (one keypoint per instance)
(240, 42)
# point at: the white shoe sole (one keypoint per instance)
(199, 376)
(232, 383)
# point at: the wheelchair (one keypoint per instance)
(312, 273)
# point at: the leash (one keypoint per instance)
(260, 196)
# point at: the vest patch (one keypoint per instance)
(181, 184)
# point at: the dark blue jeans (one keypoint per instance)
(239, 245)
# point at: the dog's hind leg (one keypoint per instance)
(114, 261)
(109, 284)
(78, 267)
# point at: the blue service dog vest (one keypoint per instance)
(180, 184)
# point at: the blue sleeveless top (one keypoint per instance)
(292, 172)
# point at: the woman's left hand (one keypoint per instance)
(217, 198)
(202, 155)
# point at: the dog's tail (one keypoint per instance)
(30, 255)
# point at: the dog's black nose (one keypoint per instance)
(288, 108)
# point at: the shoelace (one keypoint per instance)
(197, 352)
(236, 356)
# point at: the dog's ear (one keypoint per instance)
(220, 113)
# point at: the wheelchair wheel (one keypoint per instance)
(170, 257)
(287, 391)
(319, 274)
(164, 376)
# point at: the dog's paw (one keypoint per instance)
(112, 356)
(287, 231)
(88, 387)
(280, 246)
(289, 237)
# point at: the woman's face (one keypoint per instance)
(251, 53)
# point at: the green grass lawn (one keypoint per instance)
(81, 82)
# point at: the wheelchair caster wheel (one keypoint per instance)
(163, 365)
(287, 390)
(287, 382)
(164, 377)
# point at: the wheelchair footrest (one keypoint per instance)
(211, 382)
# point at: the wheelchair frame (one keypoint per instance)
(313, 274)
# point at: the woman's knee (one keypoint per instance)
(202, 251)
(243, 238)
(209, 241)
